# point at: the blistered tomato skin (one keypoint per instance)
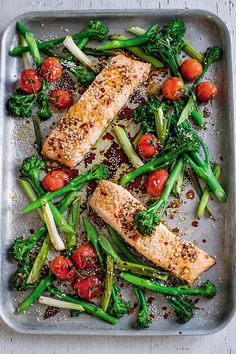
(173, 88)
(30, 81)
(61, 98)
(87, 288)
(190, 69)
(206, 91)
(148, 145)
(55, 180)
(63, 268)
(155, 183)
(51, 69)
(84, 257)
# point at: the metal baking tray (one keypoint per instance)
(217, 237)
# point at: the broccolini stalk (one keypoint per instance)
(141, 269)
(207, 289)
(139, 52)
(97, 172)
(147, 219)
(83, 58)
(30, 299)
(88, 306)
(119, 307)
(19, 281)
(187, 47)
(29, 37)
(30, 193)
(127, 147)
(49, 301)
(143, 318)
(176, 190)
(206, 194)
(121, 245)
(183, 307)
(74, 220)
(92, 236)
(27, 58)
(137, 138)
(37, 132)
(130, 42)
(106, 296)
(95, 29)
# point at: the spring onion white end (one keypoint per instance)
(27, 58)
(49, 301)
(57, 242)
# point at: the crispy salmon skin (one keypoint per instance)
(85, 121)
(117, 207)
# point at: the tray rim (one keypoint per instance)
(105, 12)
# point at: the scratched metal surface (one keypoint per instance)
(151, 342)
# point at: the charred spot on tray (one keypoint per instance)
(50, 312)
(195, 223)
(137, 185)
(190, 194)
(126, 113)
(204, 241)
(89, 159)
(150, 300)
(165, 316)
(176, 203)
(206, 113)
(114, 157)
(108, 136)
(152, 315)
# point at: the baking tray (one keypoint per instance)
(218, 238)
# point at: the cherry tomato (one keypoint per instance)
(148, 145)
(205, 91)
(30, 81)
(61, 98)
(87, 288)
(173, 88)
(63, 268)
(55, 180)
(51, 69)
(190, 69)
(84, 257)
(155, 183)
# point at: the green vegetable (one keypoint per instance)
(183, 307)
(29, 37)
(176, 190)
(162, 124)
(140, 53)
(49, 301)
(31, 168)
(143, 318)
(30, 193)
(130, 42)
(19, 281)
(167, 43)
(206, 194)
(92, 236)
(97, 172)
(44, 112)
(95, 29)
(30, 299)
(88, 306)
(27, 58)
(127, 147)
(175, 146)
(119, 307)
(118, 241)
(81, 44)
(83, 76)
(74, 220)
(21, 104)
(211, 55)
(102, 53)
(137, 138)
(107, 247)
(147, 219)
(207, 289)
(141, 269)
(106, 296)
(37, 132)
(144, 114)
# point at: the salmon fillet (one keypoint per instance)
(117, 207)
(85, 121)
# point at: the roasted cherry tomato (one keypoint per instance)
(87, 288)
(190, 69)
(155, 183)
(173, 88)
(61, 98)
(63, 268)
(51, 69)
(148, 145)
(84, 257)
(55, 180)
(30, 81)
(205, 91)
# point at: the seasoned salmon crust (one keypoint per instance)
(82, 125)
(117, 207)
